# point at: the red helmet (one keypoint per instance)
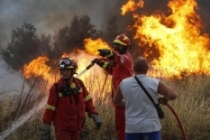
(67, 62)
(122, 39)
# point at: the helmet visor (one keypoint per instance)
(64, 62)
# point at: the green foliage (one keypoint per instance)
(25, 46)
(111, 30)
(71, 37)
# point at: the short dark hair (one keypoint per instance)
(140, 65)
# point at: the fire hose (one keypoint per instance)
(89, 66)
(178, 120)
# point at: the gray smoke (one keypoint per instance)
(48, 16)
(11, 82)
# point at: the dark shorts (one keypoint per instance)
(143, 136)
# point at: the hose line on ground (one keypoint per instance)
(179, 122)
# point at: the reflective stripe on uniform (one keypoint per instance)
(60, 94)
(50, 107)
(87, 98)
(120, 42)
(73, 85)
(105, 65)
(111, 54)
(122, 59)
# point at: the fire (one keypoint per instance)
(83, 60)
(178, 37)
(92, 77)
(37, 67)
(64, 55)
(131, 6)
(91, 46)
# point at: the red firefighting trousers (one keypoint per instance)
(66, 134)
(120, 122)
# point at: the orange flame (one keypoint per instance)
(64, 55)
(131, 6)
(91, 46)
(178, 37)
(37, 67)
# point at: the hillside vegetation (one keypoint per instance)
(192, 106)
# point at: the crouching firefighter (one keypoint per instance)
(67, 103)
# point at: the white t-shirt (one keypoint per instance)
(140, 113)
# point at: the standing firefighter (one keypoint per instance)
(67, 102)
(120, 66)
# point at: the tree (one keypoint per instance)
(71, 37)
(24, 46)
(111, 30)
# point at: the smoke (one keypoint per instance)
(204, 11)
(11, 82)
(49, 16)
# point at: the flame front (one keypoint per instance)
(131, 6)
(93, 76)
(37, 67)
(178, 37)
(92, 46)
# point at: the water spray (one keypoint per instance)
(35, 109)
(16, 124)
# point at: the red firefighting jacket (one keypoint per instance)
(123, 68)
(68, 112)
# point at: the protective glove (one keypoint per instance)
(106, 53)
(45, 133)
(163, 100)
(100, 63)
(96, 120)
(96, 60)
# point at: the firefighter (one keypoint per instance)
(120, 66)
(67, 102)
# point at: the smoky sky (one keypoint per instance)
(9, 86)
(48, 16)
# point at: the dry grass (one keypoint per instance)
(192, 107)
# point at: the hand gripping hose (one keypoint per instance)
(88, 67)
(179, 122)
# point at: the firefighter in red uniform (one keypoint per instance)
(67, 102)
(120, 66)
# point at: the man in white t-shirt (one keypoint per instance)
(142, 121)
